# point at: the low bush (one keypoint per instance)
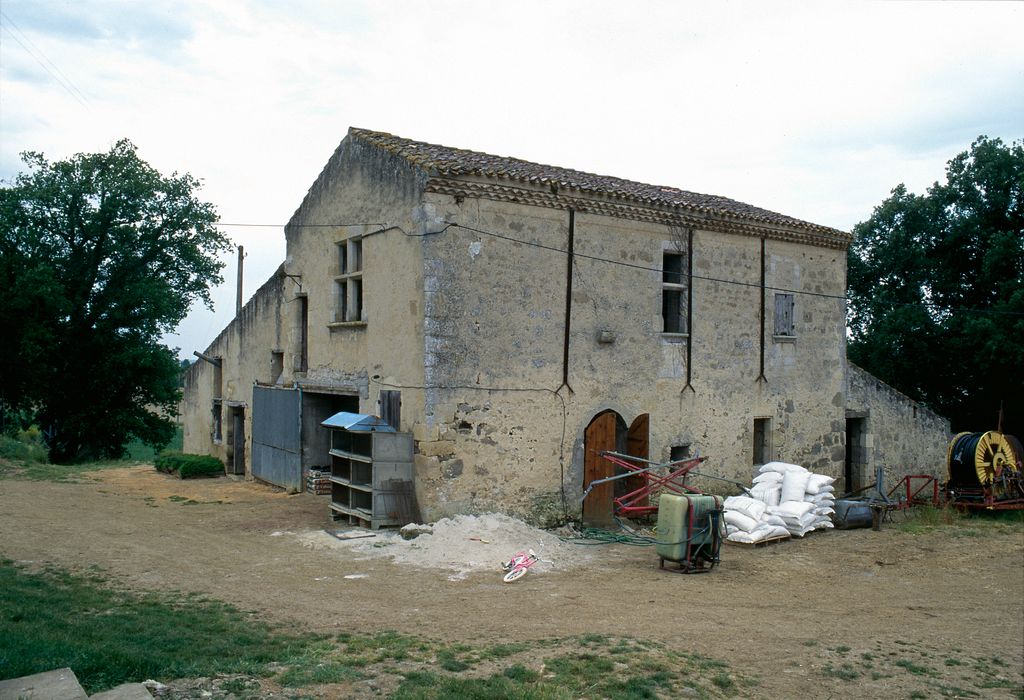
(186, 465)
(24, 445)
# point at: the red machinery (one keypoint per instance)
(636, 503)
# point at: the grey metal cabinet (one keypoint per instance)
(371, 478)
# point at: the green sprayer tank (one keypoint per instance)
(689, 531)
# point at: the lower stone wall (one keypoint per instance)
(889, 429)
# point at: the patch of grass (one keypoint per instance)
(845, 672)
(520, 673)
(918, 695)
(723, 680)
(500, 651)
(447, 660)
(52, 619)
(954, 662)
(324, 672)
(911, 667)
(842, 649)
(430, 686)
(385, 646)
(810, 642)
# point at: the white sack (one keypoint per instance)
(756, 535)
(817, 481)
(751, 507)
(768, 477)
(804, 521)
(769, 494)
(822, 499)
(793, 509)
(794, 484)
(743, 522)
(774, 520)
(781, 468)
(824, 511)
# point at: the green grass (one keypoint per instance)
(139, 452)
(15, 464)
(51, 619)
(846, 672)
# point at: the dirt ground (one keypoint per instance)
(785, 614)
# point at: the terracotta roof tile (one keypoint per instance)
(452, 162)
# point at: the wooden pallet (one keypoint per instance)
(763, 543)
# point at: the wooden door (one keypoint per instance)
(599, 436)
(238, 428)
(637, 445)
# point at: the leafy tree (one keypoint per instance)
(99, 256)
(936, 286)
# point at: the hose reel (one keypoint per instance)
(980, 459)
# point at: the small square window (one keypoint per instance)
(276, 366)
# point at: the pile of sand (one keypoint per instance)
(461, 545)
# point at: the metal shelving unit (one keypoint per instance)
(371, 472)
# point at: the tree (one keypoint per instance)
(99, 256)
(936, 287)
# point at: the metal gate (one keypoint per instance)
(276, 436)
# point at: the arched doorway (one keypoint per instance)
(608, 432)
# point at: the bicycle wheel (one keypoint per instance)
(514, 574)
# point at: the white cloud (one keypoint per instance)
(814, 110)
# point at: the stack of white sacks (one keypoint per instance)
(785, 500)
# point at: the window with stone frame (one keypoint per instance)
(675, 293)
(348, 282)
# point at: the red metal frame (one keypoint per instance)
(628, 506)
(910, 496)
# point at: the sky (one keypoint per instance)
(816, 110)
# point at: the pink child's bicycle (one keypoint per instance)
(515, 568)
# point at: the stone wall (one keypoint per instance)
(246, 350)
(500, 429)
(899, 434)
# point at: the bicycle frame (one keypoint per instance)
(515, 568)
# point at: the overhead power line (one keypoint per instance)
(623, 263)
(42, 59)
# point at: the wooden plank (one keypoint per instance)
(637, 445)
(598, 437)
(762, 543)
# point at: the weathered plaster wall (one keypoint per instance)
(245, 348)
(505, 433)
(901, 435)
(363, 192)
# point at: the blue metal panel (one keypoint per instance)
(358, 423)
(276, 436)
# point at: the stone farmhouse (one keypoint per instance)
(517, 318)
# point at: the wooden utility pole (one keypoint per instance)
(238, 296)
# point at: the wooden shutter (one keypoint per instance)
(784, 314)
